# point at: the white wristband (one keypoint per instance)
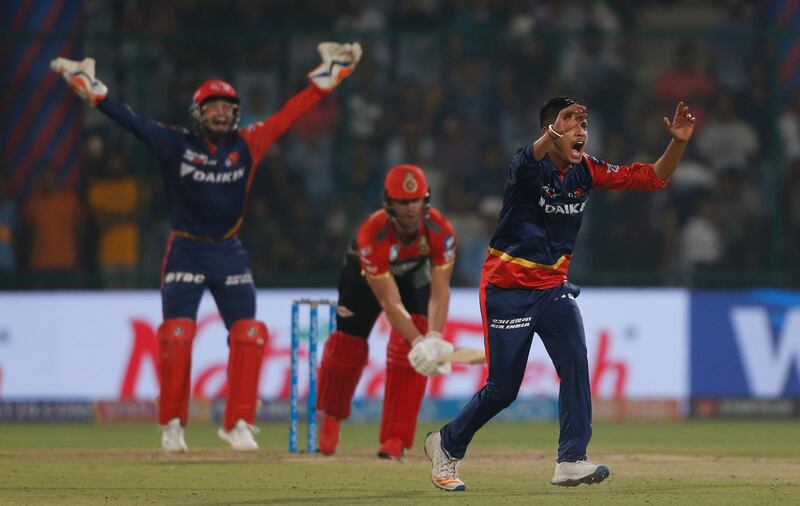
(553, 134)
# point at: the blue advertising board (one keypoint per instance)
(745, 344)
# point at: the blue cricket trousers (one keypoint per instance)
(190, 266)
(511, 316)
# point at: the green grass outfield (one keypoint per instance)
(695, 462)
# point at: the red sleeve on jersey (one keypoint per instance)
(260, 136)
(637, 176)
(373, 245)
(442, 239)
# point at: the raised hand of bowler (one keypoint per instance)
(570, 118)
(79, 75)
(338, 62)
(681, 127)
(425, 353)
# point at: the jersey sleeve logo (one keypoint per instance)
(612, 168)
(449, 248)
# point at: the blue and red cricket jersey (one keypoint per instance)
(207, 187)
(542, 212)
(524, 290)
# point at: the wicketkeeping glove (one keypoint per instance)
(79, 75)
(425, 353)
(338, 62)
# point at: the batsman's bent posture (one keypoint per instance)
(524, 288)
(208, 172)
(401, 263)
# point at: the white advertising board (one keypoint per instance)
(102, 345)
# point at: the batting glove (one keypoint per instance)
(425, 353)
(338, 62)
(79, 75)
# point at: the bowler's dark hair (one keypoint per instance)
(550, 109)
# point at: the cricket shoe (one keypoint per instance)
(172, 437)
(240, 436)
(444, 468)
(328, 438)
(391, 449)
(570, 474)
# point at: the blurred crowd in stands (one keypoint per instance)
(454, 86)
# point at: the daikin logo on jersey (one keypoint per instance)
(229, 176)
(562, 208)
(193, 159)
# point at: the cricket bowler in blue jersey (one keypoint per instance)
(208, 172)
(524, 288)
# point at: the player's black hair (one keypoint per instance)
(550, 109)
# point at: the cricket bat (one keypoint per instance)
(464, 356)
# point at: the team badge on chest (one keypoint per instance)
(424, 249)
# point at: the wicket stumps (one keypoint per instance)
(311, 399)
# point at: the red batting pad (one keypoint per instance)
(244, 368)
(398, 348)
(175, 338)
(403, 395)
(343, 360)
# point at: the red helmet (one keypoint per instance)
(406, 182)
(214, 89)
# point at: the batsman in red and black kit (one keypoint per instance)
(401, 263)
(524, 288)
(208, 171)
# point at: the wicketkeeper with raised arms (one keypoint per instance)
(524, 288)
(400, 263)
(208, 171)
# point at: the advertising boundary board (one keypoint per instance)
(102, 345)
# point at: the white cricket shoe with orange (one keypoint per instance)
(444, 468)
(240, 436)
(570, 474)
(172, 437)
